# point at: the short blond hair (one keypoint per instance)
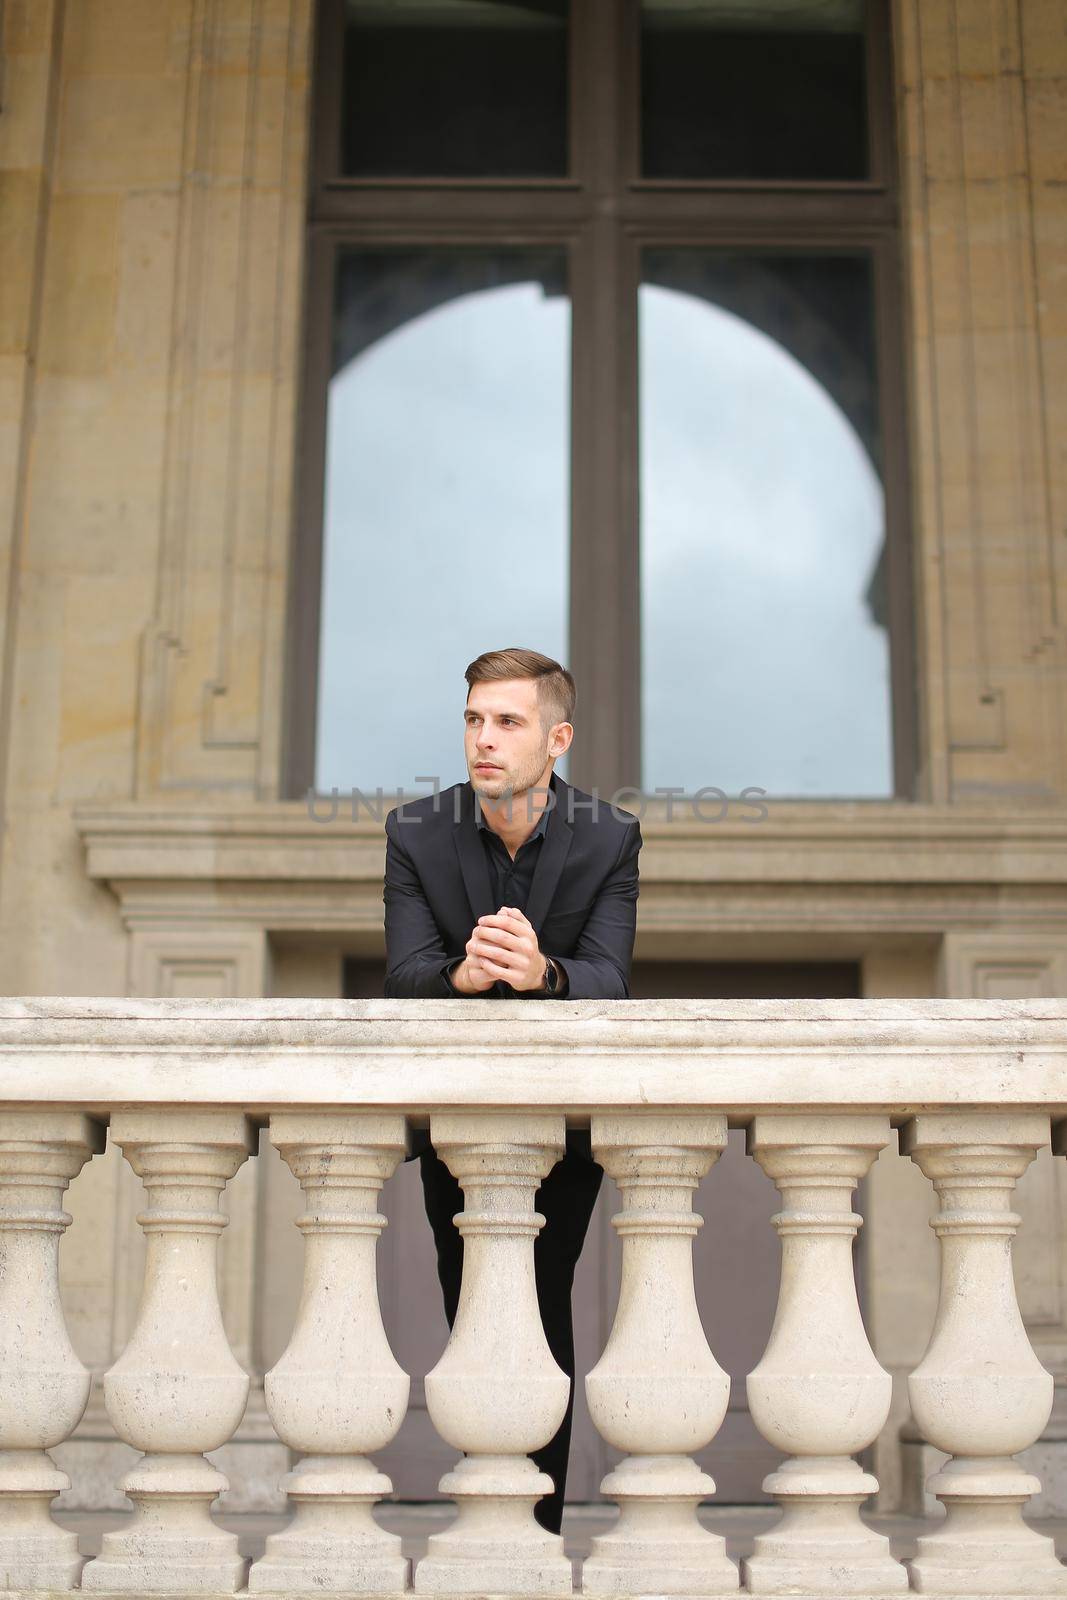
(556, 692)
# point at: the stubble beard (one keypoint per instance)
(505, 801)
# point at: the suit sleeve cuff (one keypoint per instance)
(447, 986)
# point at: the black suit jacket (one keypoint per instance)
(582, 903)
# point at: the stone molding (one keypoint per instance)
(847, 868)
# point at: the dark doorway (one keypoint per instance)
(745, 980)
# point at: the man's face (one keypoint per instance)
(507, 749)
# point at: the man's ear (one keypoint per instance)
(564, 730)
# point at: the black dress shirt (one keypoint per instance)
(511, 879)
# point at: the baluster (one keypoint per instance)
(176, 1391)
(496, 1392)
(980, 1394)
(657, 1392)
(818, 1394)
(337, 1394)
(43, 1385)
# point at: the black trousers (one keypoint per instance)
(565, 1200)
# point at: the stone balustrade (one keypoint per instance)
(972, 1091)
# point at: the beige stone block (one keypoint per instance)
(997, 776)
(96, 476)
(992, 126)
(25, 105)
(935, 21)
(273, 103)
(12, 380)
(294, 166)
(230, 44)
(1051, 249)
(20, 199)
(975, 368)
(13, 383)
(101, 637)
(240, 242)
(78, 310)
(303, 969)
(1046, 116)
(144, 316)
(951, 323)
(905, 973)
(1008, 544)
(1044, 39)
(9, 459)
(1000, 269)
(235, 271)
(942, 147)
(233, 44)
(33, 741)
(284, 34)
(957, 501)
(998, 247)
(986, 38)
(27, 26)
(82, 951)
(106, 38)
(264, 336)
(1054, 366)
(233, 134)
(121, 133)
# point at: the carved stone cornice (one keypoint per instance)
(851, 868)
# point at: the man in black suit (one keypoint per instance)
(517, 886)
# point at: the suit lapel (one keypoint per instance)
(471, 852)
(553, 853)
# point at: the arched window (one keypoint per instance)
(604, 359)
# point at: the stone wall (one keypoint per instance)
(982, 94)
(152, 160)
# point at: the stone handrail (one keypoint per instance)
(972, 1089)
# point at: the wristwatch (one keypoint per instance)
(551, 983)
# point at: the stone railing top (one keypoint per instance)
(738, 1056)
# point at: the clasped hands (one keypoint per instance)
(504, 946)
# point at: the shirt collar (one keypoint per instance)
(539, 831)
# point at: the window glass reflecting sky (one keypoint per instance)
(762, 529)
(764, 647)
(446, 512)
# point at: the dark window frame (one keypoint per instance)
(602, 215)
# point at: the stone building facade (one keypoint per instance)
(154, 166)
